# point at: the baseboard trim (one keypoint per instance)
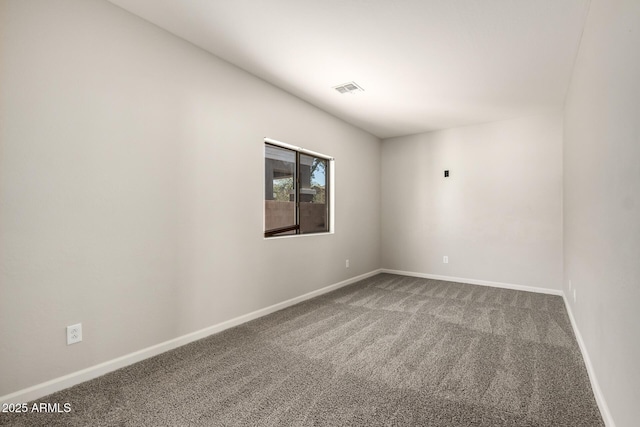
(60, 383)
(595, 386)
(475, 282)
(43, 389)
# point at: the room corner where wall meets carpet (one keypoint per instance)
(386, 350)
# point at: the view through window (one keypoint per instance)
(296, 192)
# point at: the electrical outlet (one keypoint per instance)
(74, 333)
(346, 263)
(445, 259)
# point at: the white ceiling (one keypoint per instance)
(424, 64)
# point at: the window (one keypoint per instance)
(296, 197)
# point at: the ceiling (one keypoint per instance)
(423, 64)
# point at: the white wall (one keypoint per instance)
(497, 217)
(602, 200)
(131, 185)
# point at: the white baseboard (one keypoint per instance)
(40, 390)
(595, 386)
(475, 282)
(57, 384)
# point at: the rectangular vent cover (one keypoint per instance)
(350, 87)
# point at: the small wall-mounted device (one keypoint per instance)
(74, 333)
(446, 174)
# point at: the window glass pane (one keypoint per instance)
(313, 194)
(279, 196)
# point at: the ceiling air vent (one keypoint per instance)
(350, 87)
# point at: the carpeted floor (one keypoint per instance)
(389, 350)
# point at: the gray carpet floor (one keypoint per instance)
(389, 350)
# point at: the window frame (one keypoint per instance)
(329, 191)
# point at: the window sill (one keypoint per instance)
(289, 236)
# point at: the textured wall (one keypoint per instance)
(122, 148)
(497, 217)
(602, 200)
